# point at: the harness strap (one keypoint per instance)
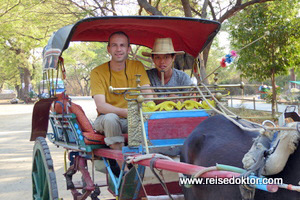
(163, 184)
(257, 167)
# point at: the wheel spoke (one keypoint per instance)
(40, 171)
(46, 191)
(36, 184)
(36, 174)
(35, 197)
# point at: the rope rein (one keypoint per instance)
(233, 115)
(141, 181)
(262, 129)
(226, 115)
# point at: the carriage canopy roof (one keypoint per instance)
(191, 35)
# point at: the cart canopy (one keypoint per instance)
(191, 35)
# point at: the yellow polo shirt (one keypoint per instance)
(102, 78)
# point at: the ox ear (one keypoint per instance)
(194, 148)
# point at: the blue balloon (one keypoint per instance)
(229, 59)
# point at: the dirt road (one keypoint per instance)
(16, 152)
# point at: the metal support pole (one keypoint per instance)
(143, 131)
(254, 103)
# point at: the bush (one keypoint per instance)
(269, 95)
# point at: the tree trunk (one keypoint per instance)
(274, 101)
(27, 85)
(18, 89)
(204, 55)
(86, 86)
(293, 77)
(22, 86)
(81, 88)
(150, 9)
(203, 61)
(202, 69)
(204, 9)
(70, 87)
(186, 8)
(87, 89)
(113, 7)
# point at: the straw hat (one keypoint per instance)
(162, 46)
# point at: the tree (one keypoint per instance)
(213, 62)
(278, 51)
(27, 25)
(95, 8)
(24, 26)
(80, 59)
(210, 9)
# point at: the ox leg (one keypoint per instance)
(247, 192)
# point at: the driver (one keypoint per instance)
(119, 72)
(164, 74)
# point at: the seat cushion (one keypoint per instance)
(90, 135)
(93, 138)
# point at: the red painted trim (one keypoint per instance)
(173, 166)
(109, 153)
(165, 129)
(156, 189)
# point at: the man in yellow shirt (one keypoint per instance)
(118, 72)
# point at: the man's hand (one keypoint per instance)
(147, 91)
(175, 100)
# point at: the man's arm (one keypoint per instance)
(103, 107)
(147, 91)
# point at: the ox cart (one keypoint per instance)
(156, 132)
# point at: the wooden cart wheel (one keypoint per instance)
(44, 185)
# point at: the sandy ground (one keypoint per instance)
(16, 152)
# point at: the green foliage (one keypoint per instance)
(80, 58)
(277, 51)
(216, 54)
(171, 8)
(269, 95)
(25, 26)
(277, 23)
